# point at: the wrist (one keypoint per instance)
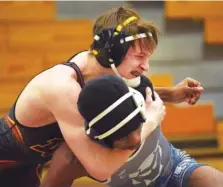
(148, 128)
(172, 93)
(166, 93)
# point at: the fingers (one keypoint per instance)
(194, 90)
(148, 94)
(194, 100)
(194, 95)
(155, 110)
(163, 113)
(157, 103)
(192, 82)
(148, 100)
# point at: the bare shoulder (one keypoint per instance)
(59, 83)
(59, 91)
(62, 79)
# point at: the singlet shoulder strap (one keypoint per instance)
(80, 78)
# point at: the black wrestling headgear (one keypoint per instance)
(112, 110)
(111, 45)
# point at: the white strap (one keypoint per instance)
(110, 108)
(135, 37)
(120, 125)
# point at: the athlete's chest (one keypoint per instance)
(145, 166)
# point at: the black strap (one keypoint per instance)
(80, 78)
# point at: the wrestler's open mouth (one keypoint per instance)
(135, 73)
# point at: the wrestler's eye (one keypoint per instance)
(141, 57)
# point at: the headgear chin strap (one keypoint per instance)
(110, 47)
(130, 82)
(140, 109)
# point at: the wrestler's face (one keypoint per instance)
(136, 61)
(130, 142)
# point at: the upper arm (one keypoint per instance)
(60, 97)
(60, 92)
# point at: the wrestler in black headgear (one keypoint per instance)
(99, 94)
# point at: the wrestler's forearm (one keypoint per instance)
(64, 169)
(100, 162)
(165, 93)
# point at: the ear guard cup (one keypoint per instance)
(139, 102)
(109, 47)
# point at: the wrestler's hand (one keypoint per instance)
(188, 90)
(155, 110)
(155, 113)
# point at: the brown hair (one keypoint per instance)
(117, 16)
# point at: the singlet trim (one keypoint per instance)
(80, 78)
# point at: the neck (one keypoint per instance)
(93, 69)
